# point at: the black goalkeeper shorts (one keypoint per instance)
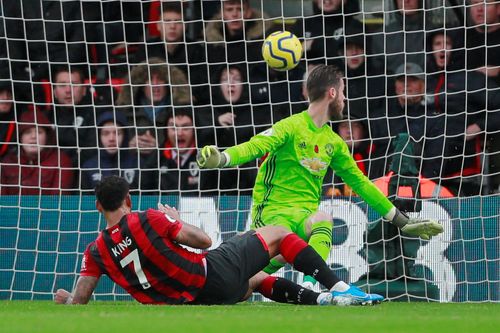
(230, 266)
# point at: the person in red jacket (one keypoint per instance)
(36, 167)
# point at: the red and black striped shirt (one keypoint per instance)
(140, 255)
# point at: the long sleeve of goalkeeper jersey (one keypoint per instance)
(266, 142)
(344, 166)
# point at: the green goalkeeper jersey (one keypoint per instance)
(299, 155)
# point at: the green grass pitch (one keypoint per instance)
(120, 317)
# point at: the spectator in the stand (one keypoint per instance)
(403, 37)
(113, 157)
(234, 116)
(40, 33)
(483, 53)
(179, 173)
(154, 88)
(177, 49)
(9, 114)
(469, 100)
(37, 167)
(235, 35)
(235, 122)
(331, 21)
(407, 113)
(483, 37)
(73, 114)
(365, 92)
(369, 159)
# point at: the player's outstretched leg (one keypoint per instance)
(285, 291)
(305, 259)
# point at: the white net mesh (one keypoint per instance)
(93, 88)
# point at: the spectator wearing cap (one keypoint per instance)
(113, 156)
(406, 110)
(369, 159)
(407, 113)
(9, 114)
(179, 173)
(37, 166)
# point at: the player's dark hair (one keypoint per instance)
(171, 6)
(321, 79)
(111, 191)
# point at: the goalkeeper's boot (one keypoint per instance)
(355, 296)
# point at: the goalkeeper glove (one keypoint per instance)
(209, 157)
(423, 228)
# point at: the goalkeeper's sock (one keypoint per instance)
(273, 266)
(285, 291)
(321, 241)
(321, 238)
(305, 259)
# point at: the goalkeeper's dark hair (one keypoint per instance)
(111, 191)
(320, 79)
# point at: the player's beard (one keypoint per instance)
(335, 109)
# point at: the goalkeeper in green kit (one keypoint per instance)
(287, 190)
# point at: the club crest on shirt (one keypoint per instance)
(329, 149)
(314, 164)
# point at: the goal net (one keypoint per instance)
(133, 88)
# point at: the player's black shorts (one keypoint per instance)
(230, 266)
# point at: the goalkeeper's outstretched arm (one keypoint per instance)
(209, 157)
(345, 166)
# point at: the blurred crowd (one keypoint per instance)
(94, 88)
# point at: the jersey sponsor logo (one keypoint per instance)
(314, 164)
(122, 246)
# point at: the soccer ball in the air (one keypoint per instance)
(282, 50)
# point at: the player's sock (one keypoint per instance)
(305, 259)
(321, 241)
(285, 291)
(273, 266)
